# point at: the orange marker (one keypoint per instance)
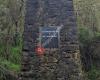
(40, 50)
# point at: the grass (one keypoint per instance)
(15, 56)
(94, 74)
(7, 65)
(13, 63)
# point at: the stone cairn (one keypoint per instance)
(55, 64)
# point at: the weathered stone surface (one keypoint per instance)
(56, 64)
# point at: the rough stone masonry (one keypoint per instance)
(61, 63)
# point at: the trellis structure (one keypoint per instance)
(60, 63)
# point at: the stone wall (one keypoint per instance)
(56, 64)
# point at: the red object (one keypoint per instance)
(40, 50)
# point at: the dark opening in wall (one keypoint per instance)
(49, 37)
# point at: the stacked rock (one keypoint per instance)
(62, 63)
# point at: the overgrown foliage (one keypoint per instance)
(88, 18)
(11, 28)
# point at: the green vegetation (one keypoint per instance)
(88, 17)
(86, 38)
(94, 74)
(12, 63)
(11, 28)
